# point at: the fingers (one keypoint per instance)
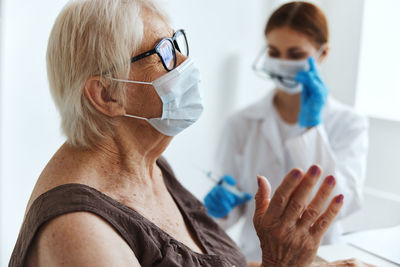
(224, 196)
(214, 208)
(262, 198)
(305, 77)
(245, 197)
(299, 199)
(325, 220)
(302, 77)
(318, 202)
(311, 62)
(229, 179)
(219, 202)
(283, 193)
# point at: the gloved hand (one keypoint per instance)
(313, 96)
(220, 201)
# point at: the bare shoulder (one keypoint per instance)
(79, 239)
(64, 167)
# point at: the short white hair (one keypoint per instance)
(91, 38)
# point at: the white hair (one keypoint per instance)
(90, 38)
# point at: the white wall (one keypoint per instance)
(29, 121)
(382, 185)
(1, 125)
(224, 38)
(379, 85)
(341, 68)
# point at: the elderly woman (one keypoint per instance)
(124, 86)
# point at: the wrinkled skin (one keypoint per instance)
(289, 229)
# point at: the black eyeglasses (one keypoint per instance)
(165, 49)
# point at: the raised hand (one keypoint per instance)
(290, 230)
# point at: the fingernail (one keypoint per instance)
(258, 180)
(339, 199)
(314, 170)
(295, 174)
(330, 180)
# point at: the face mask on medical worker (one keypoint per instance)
(297, 76)
(283, 73)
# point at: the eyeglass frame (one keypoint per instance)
(156, 49)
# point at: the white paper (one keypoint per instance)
(384, 243)
(331, 253)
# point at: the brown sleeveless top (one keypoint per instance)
(151, 245)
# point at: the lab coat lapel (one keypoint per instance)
(270, 132)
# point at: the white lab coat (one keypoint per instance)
(251, 145)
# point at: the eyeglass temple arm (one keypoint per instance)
(146, 54)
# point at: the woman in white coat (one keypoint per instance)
(271, 136)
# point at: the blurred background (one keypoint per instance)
(225, 37)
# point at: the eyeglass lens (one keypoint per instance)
(166, 49)
(181, 43)
(167, 54)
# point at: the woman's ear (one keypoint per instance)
(95, 89)
(326, 49)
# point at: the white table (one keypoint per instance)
(345, 251)
(380, 247)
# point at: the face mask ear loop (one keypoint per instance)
(137, 82)
(136, 117)
(129, 81)
(258, 58)
(256, 64)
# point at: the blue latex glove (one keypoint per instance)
(220, 201)
(313, 96)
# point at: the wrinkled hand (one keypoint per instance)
(219, 201)
(289, 230)
(313, 96)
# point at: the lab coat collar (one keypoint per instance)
(261, 110)
(270, 132)
(264, 112)
(264, 108)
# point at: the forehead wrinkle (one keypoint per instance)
(155, 29)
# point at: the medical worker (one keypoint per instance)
(297, 124)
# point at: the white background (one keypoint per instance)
(379, 71)
(224, 38)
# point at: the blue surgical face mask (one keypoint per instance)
(181, 97)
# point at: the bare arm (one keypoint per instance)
(80, 239)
